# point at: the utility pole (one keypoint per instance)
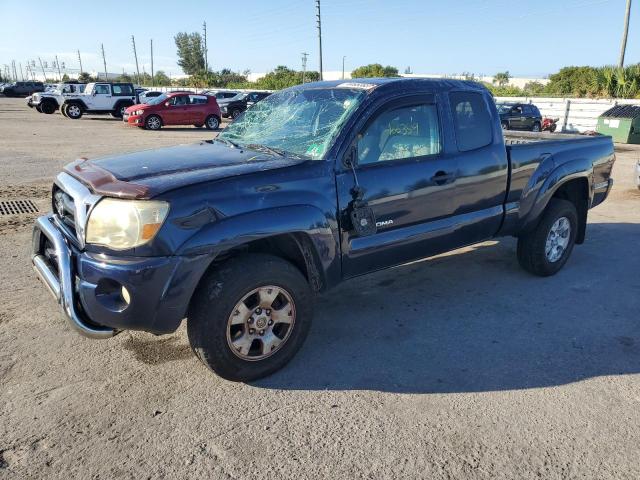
(343, 57)
(206, 51)
(319, 34)
(135, 54)
(44, 75)
(152, 80)
(21, 73)
(80, 61)
(58, 67)
(304, 67)
(15, 72)
(625, 32)
(104, 61)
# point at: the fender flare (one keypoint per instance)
(117, 105)
(311, 227)
(563, 173)
(76, 101)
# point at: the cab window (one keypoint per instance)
(472, 122)
(122, 90)
(405, 132)
(197, 99)
(102, 90)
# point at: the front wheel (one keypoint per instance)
(47, 107)
(505, 125)
(546, 249)
(235, 113)
(212, 122)
(73, 111)
(153, 122)
(250, 316)
(535, 127)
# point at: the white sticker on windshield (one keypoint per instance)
(360, 86)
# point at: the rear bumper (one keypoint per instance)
(601, 192)
(101, 295)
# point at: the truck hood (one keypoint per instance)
(149, 173)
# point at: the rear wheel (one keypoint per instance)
(250, 316)
(153, 122)
(505, 125)
(235, 113)
(74, 111)
(546, 249)
(38, 108)
(212, 122)
(535, 127)
(119, 111)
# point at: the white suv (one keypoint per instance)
(103, 97)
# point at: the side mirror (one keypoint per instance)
(94, 93)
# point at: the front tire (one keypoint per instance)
(235, 113)
(153, 122)
(212, 122)
(73, 111)
(546, 249)
(250, 316)
(505, 125)
(47, 107)
(535, 127)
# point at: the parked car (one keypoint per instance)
(235, 107)
(520, 116)
(102, 97)
(50, 100)
(144, 97)
(22, 89)
(176, 108)
(314, 185)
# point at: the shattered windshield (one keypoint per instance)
(300, 122)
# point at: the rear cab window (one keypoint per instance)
(471, 120)
(197, 99)
(122, 90)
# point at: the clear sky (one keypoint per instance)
(528, 38)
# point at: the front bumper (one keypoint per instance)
(133, 120)
(101, 295)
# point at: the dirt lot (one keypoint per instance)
(462, 366)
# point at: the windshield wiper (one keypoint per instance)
(271, 150)
(227, 142)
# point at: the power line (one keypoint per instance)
(79, 61)
(135, 54)
(104, 61)
(319, 35)
(625, 32)
(206, 51)
(304, 66)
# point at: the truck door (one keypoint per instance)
(407, 181)
(101, 99)
(483, 168)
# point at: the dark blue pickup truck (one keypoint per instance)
(314, 185)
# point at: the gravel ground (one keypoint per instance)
(461, 366)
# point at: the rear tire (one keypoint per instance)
(235, 113)
(553, 128)
(38, 108)
(535, 127)
(505, 125)
(119, 110)
(212, 122)
(543, 252)
(153, 122)
(234, 317)
(63, 109)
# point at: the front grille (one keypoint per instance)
(64, 209)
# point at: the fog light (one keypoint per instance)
(125, 295)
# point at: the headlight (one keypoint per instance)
(138, 112)
(124, 224)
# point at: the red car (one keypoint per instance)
(176, 108)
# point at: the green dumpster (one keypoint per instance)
(622, 122)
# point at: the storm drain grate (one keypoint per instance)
(17, 207)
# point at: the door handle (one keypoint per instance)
(441, 177)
